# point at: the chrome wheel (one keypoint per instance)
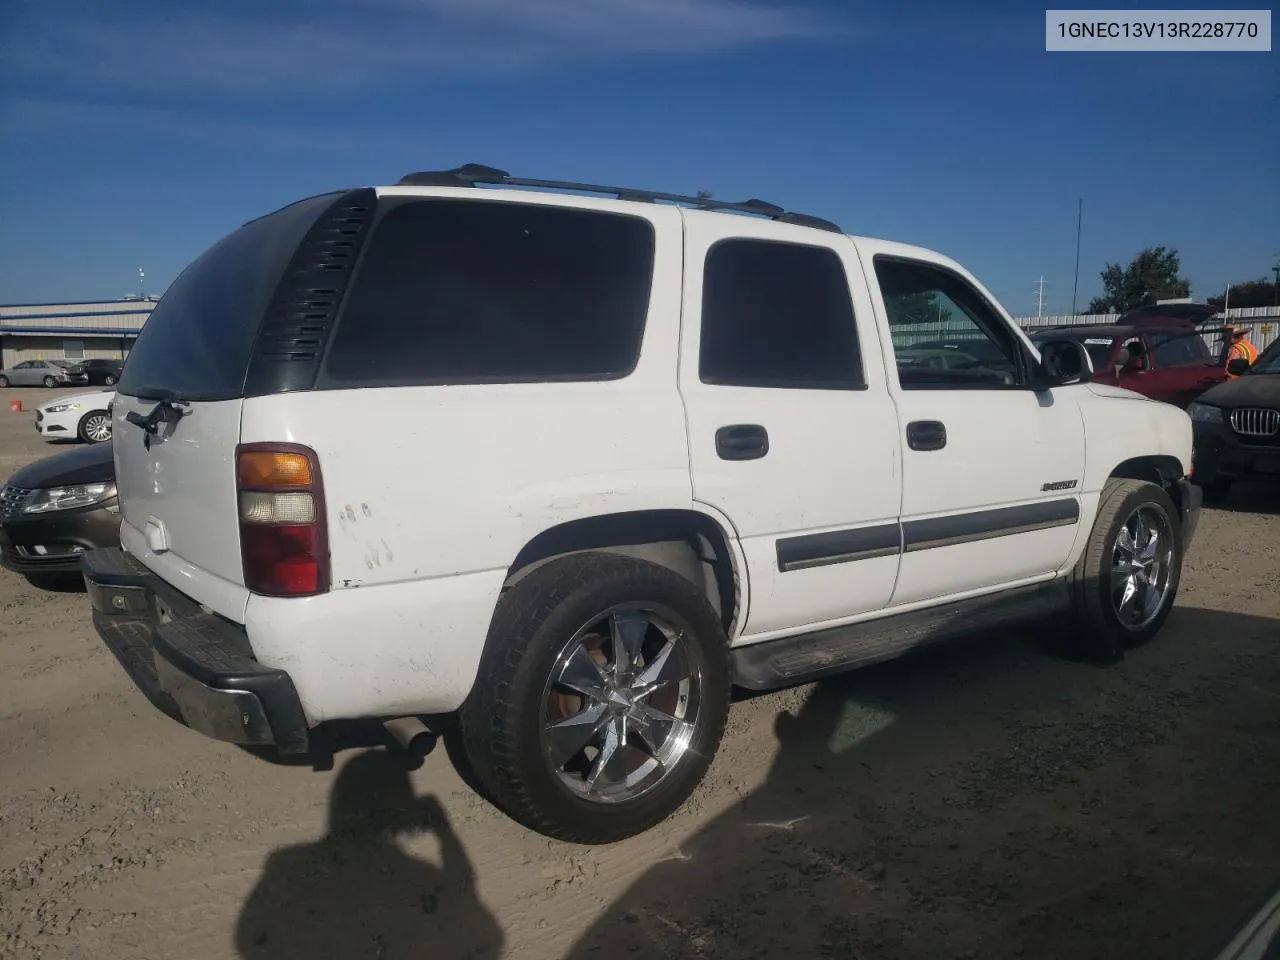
(97, 428)
(622, 704)
(1142, 567)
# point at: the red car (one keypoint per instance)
(1158, 351)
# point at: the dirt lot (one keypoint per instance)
(985, 800)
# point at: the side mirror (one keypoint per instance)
(1063, 362)
(1237, 366)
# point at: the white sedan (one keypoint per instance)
(83, 415)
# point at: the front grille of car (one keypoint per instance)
(12, 500)
(1255, 421)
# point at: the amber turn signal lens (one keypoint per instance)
(264, 468)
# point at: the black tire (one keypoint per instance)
(50, 382)
(109, 380)
(501, 721)
(1095, 629)
(86, 423)
(4, 382)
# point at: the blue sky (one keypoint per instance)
(136, 133)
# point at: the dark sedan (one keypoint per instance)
(1237, 428)
(102, 372)
(55, 509)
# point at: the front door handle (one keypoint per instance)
(926, 435)
(742, 441)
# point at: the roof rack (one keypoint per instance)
(471, 174)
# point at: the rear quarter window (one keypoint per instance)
(198, 341)
(478, 291)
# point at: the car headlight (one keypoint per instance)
(62, 407)
(70, 497)
(1204, 413)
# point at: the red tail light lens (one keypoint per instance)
(284, 542)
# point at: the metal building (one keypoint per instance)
(71, 331)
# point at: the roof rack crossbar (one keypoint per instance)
(471, 174)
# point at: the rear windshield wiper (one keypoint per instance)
(160, 395)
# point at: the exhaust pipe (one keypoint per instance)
(412, 735)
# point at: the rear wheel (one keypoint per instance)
(50, 382)
(95, 427)
(1124, 585)
(601, 700)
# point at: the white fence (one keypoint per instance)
(1263, 324)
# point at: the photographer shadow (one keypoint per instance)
(356, 895)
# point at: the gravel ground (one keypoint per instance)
(988, 799)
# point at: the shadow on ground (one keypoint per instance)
(979, 800)
(355, 895)
(987, 801)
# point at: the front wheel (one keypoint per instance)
(50, 382)
(109, 380)
(95, 427)
(601, 699)
(4, 382)
(1124, 585)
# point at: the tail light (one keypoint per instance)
(284, 542)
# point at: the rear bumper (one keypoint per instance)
(194, 666)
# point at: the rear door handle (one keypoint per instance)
(926, 435)
(742, 441)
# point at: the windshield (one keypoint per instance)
(197, 342)
(1269, 362)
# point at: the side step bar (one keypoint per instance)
(823, 653)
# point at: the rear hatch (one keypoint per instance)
(176, 415)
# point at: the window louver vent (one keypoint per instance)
(301, 314)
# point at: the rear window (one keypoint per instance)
(470, 291)
(197, 342)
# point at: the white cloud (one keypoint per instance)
(326, 48)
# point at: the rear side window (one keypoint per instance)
(471, 291)
(1178, 349)
(197, 342)
(777, 315)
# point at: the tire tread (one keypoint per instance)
(489, 719)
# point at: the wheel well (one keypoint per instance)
(689, 543)
(1162, 470)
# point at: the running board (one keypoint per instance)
(811, 656)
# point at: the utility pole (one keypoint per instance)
(1275, 299)
(141, 285)
(1040, 297)
(1076, 282)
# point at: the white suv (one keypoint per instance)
(571, 461)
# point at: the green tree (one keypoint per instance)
(1150, 276)
(1252, 293)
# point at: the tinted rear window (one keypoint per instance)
(199, 338)
(468, 291)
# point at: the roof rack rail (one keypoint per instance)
(472, 174)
